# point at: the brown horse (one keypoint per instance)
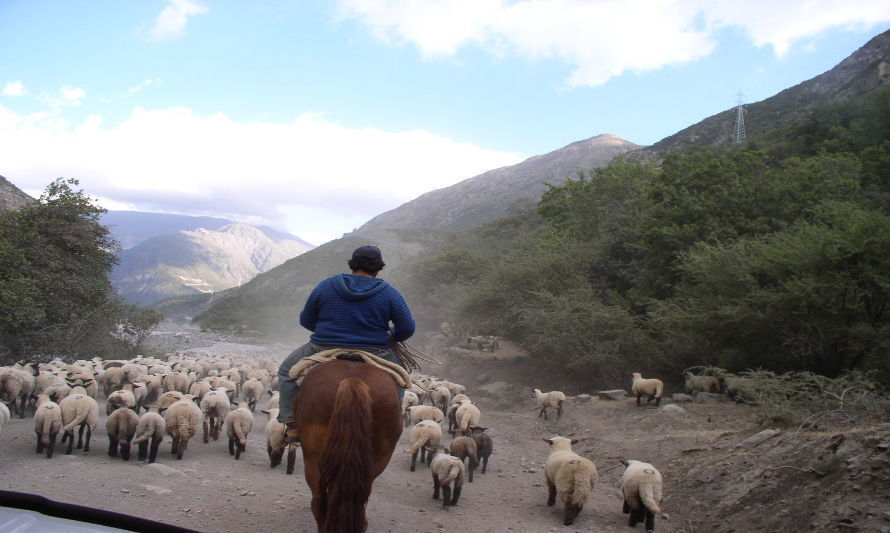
(349, 418)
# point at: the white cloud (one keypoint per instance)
(176, 160)
(143, 85)
(14, 88)
(604, 38)
(73, 95)
(173, 18)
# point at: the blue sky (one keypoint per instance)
(315, 116)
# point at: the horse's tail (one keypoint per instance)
(345, 477)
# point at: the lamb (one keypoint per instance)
(417, 413)
(276, 442)
(452, 410)
(214, 407)
(641, 485)
(47, 423)
(696, 384)
(441, 397)
(78, 409)
(182, 420)
(569, 474)
(653, 388)
(465, 448)
(121, 426)
(425, 435)
(447, 470)
(252, 391)
(4, 415)
(119, 398)
(238, 424)
(466, 415)
(484, 445)
(408, 400)
(553, 399)
(150, 427)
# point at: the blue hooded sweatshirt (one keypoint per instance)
(351, 310)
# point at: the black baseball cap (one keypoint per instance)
(369, 252)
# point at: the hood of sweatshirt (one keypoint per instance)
(354, 288)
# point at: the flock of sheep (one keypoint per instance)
(182, 396)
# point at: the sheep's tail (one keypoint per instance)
(659, 388)
(575, 483)
(474, 457)
(79, 416)
(46, 429)
(345, 464)
(147, 432)
(453, 472)
(423, 438)
(239, 432)
(647, 495)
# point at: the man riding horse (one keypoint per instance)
(348, 311)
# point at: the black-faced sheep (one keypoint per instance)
(552, 399)
(182, 420)
(425, 435)
(641, 486)
(466, 415)
(79, 410)
(214, 408)
(448, 474)
(569, 475)
(464, 448)
(238, 424)
(252, 391)
(416, 413)
(47, 424)
(277, 442)
(653, 388)
(149, 434)
(121, 426)
(484, 445)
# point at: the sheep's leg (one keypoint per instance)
(657, 401)
(551, 493)
(153, 452)
(239, 449)
(180, 450)
(423, 455)
(217, 429)
(39, 443)
(625, 508)
(571, 513)
(125, 451)
(455, 495)
(51, 447)
(484, 463)
(112, 447)
(435, 486)
(634, 517)
(650, 520)
(64, 436)
(275, 456)
(80, 437)
(174, 445)
(472, 468)
(206, 430)
(231, 446)
(446, 496)
(70, 436)
(143, 450)
(559, 412)
(86, 445)
(638, 398)
(291, 459)
(413, 460)
(24, 404)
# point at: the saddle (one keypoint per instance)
(400, 375)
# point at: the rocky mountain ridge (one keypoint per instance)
(11, 197)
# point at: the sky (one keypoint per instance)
(315, 116)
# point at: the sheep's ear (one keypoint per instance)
(625, 462)
(264, 411)
(575, 441)
(548, 441)
(270, 393)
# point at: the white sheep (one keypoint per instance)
(86, 380)
(119, 398)
(570, 475)
(452, 410)
(47, 424)
(425, 435)
(182, 420)
(121, 426)
(12, 387)
(274, 399)
(167, 399)
(214, 407)
(417, 413)
(441, 396)
(466, 416)
(149, 434)
(252, 391)
(238, 424)
(277, 442)
(653, 388)
(4, 415)
(78, 410)
(408, 400)
(696, 384)
(448, 471)
(641, 486)
(552, 399)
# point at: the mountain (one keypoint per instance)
(132, 227)
(200, 261)
(11, 197)
(271, 300)
(862, 72)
